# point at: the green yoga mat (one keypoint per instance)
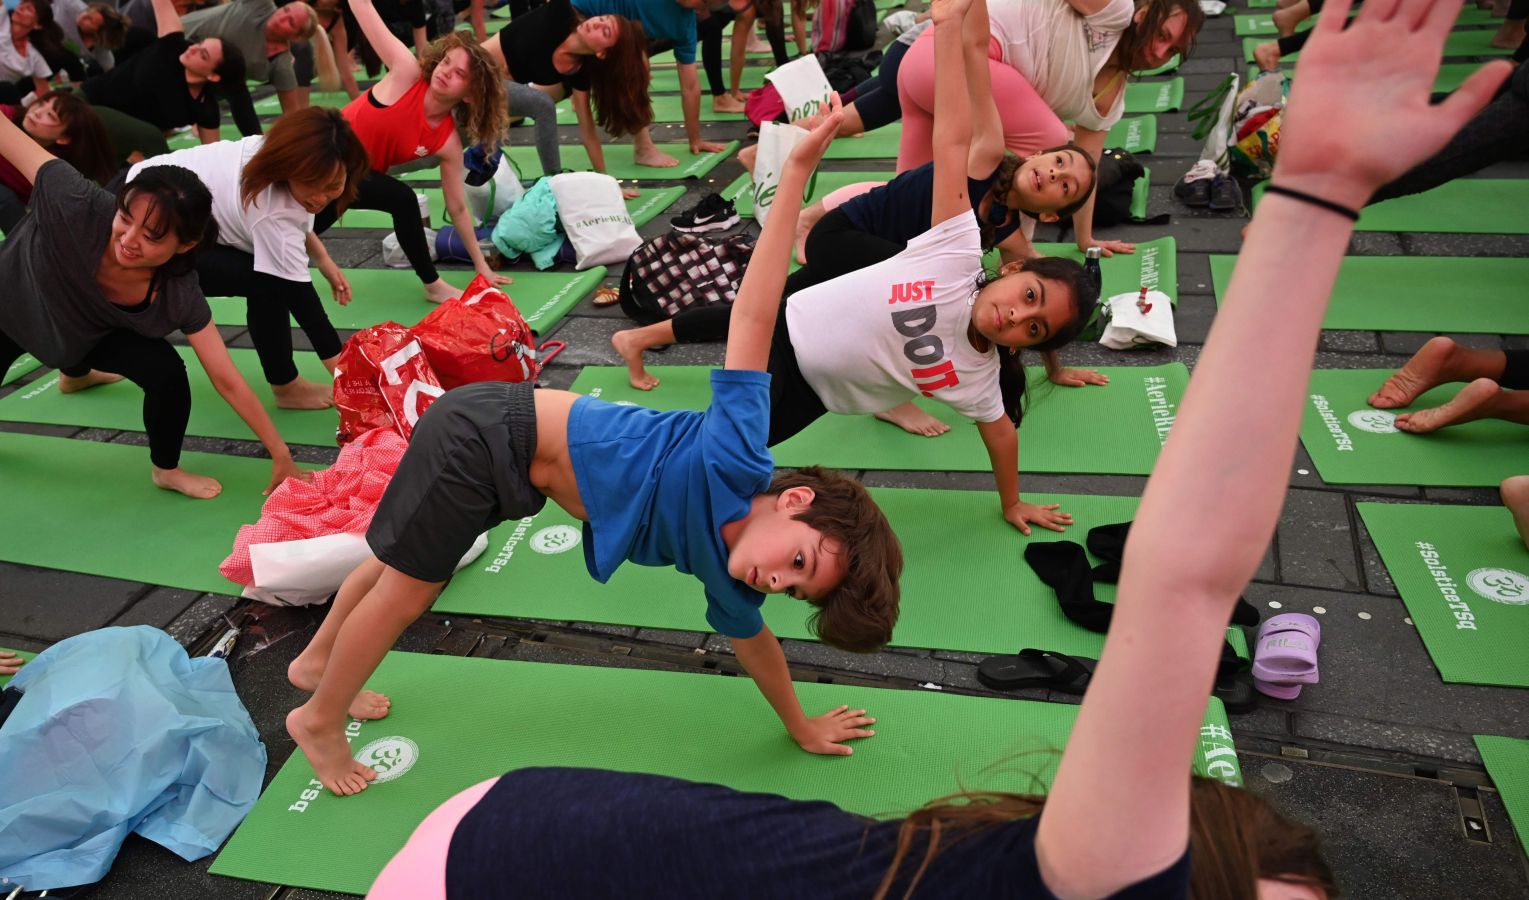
(1463, 206)
(999, 607)
(1459, 43)
(1461, 570)
(1392, 293)
(6, 679)
(505, 715)
(24, 364)
(1137, 134)
(823, 184)
(618, 161)
(1115, 429)
(337, 99)
(1352, 443)
(57, 480)
(666, 108)
(1450, 77)
(185, 139)
(666, 80)
(382, 295)
(1155, 96)
(1507, 761)
(120, 406)
(1172, 64)
(1263, 23)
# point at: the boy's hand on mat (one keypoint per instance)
(1047, 515)
(495, 279)
(699, 147)
(281, 470)
(826, 733)
(10, 663)
(1110, 248)
(339, 285)
(1359, 112)
(1079, 377)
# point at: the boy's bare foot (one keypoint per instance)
(197, 487)
(329, 754)
(439, 291)
(300, 393)
(804, 222)
(68, 384)
(1267, 56)
(914, 420)
(1466, 406)
(1425, 371)
(631, 354)
(1515, 496)
(727, 103)
(746, 158)
(653, 157)
(304, 674)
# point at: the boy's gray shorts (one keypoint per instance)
(468, 468)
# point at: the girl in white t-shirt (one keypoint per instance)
(928, 321)
(1054, 62)
(265, 192)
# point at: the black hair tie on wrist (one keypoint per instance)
(1350, 214)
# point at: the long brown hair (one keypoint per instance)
(84, 143)
(306, 145)
(483, 113)
(1134, 40)
(1003, 181)
(618, 84)
(1235, 839)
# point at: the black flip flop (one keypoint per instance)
(1032, 668)
(1236, 694)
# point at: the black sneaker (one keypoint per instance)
(712, 214)
(1225, 194)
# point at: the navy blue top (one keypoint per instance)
(561, 833)
(658, 487)
(900, 209)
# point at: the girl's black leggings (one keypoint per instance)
(273, 304)
(384, 193)
(150, 363)
(875, 98)
(709, 36)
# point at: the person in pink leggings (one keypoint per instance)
(1055, 62)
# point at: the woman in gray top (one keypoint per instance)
(101, 280)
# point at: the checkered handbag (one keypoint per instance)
(676, 271)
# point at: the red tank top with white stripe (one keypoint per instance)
(398, 133)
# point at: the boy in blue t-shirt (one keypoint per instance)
(687, 489)
(672, 21)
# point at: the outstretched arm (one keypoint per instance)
(765, 662)
(18, 148)
(232, 387)
(952, 114)
(1359, 115)
(165, 16)
(751, 324)
(403, 68)
(986, 150)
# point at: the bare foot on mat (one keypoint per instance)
(300, 393)
(329, 754)
(914, 420)
(197, 487)
(1426, 370)
(68, 384)
(631, 354)
(1515, 496)
(654, 158)
(1472, 403)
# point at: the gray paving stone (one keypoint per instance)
(201, 616)
(1350, 341)
(158, 608)
(883, 664)
(49, 605)
(1315, 541)
(1193, 316)
(1376, 579)
(689, 640)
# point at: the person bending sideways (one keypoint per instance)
(693, 490)
(1358, 116)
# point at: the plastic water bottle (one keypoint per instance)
(1091, 266)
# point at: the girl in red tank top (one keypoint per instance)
(412, 114)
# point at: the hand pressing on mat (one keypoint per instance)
(281, 470)
(10, 663)
(1047, 515)
(827, 733)
(699, 147)
(494, 278)
(1110, 248)
(1067, 377)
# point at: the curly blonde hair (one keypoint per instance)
(484, 113)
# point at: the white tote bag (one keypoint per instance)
(803, 87)
(1139, 322)
(775, 144)
(489, 200)
(308, 571)
(595, 218)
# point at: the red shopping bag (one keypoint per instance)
(383, 379)
(479, 336)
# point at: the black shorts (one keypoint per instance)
(468, 468)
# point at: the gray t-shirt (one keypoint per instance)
(56, 311)
(242, 23)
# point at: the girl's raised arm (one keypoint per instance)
(1358, 117)
(952, 114)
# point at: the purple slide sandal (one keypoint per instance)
(1285, 655)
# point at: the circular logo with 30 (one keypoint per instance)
(390, 757)
(1501, 585)
(555, 539)
(1375, 421)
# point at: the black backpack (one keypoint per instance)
(676, 271)
(1114, 184)
(845, 70)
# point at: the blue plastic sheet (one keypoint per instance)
(119, 731)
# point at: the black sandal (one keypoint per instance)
(1032, 668)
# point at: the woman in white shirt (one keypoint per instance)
(1054, 62)
(265, 192)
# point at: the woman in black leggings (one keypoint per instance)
(266, 191)
(97, 282)
(728, 96)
